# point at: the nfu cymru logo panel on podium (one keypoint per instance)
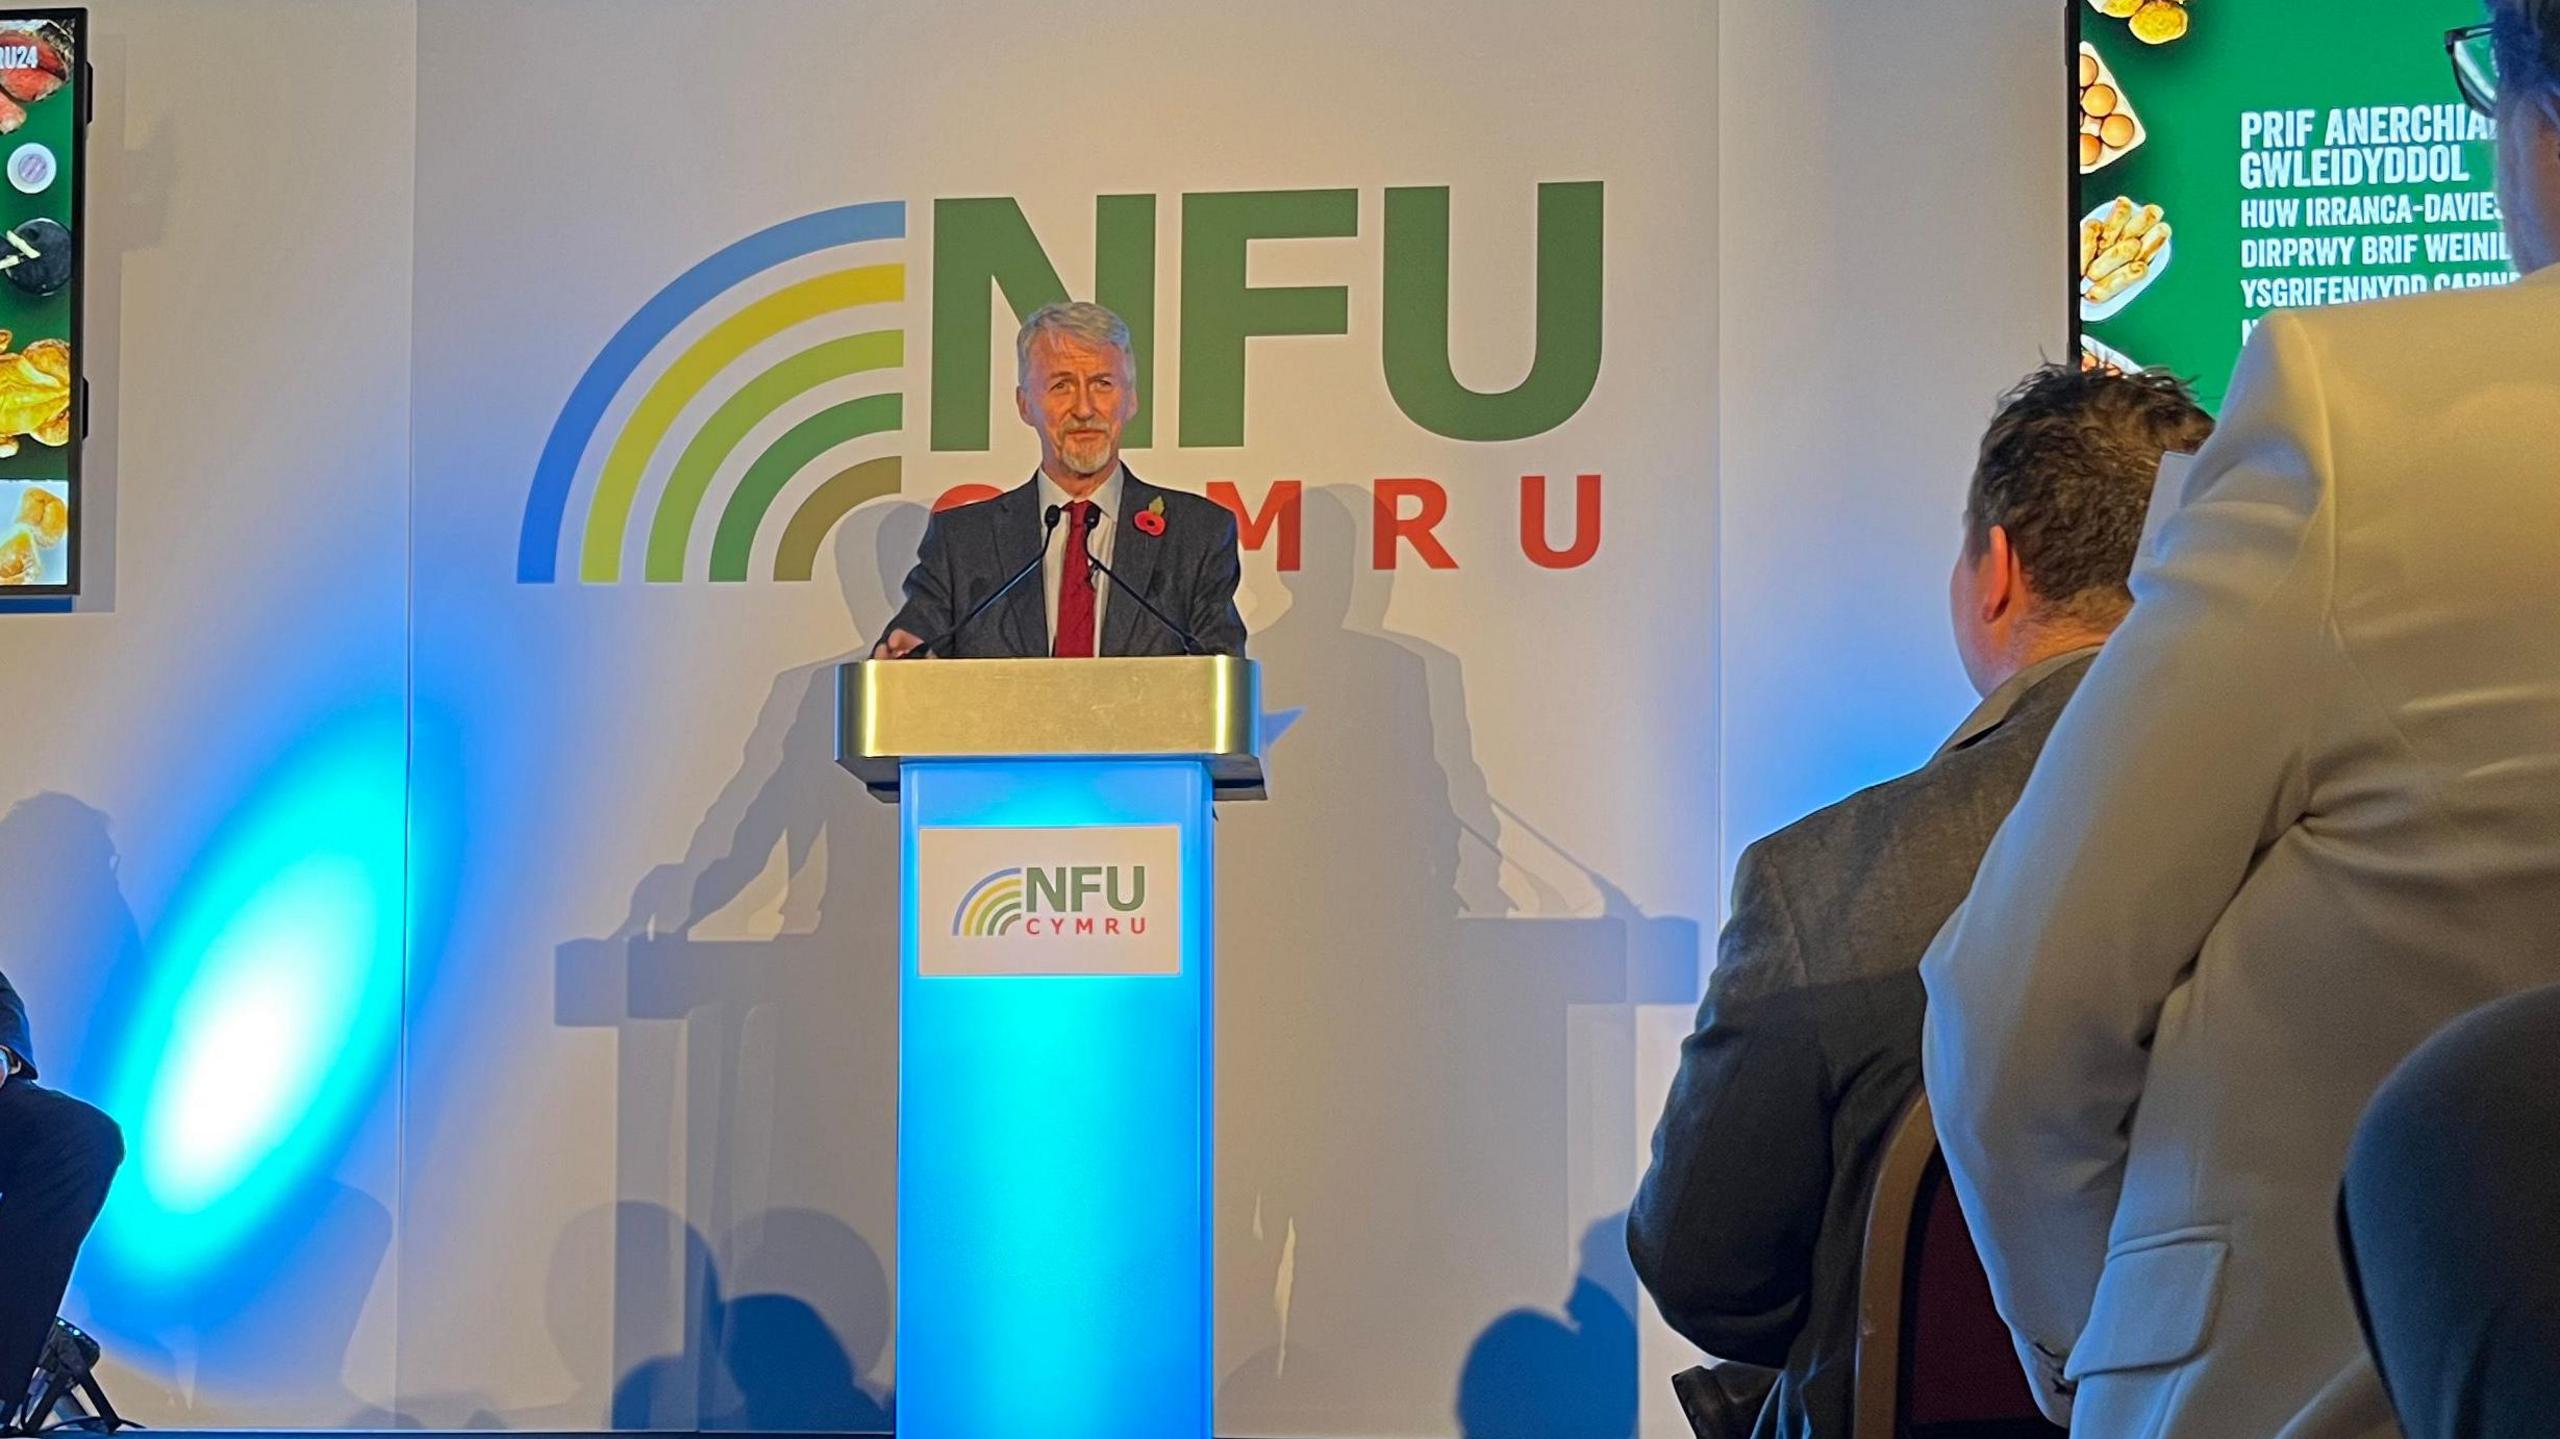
(751, 403)
(1085, 901)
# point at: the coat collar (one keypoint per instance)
(2003, 702)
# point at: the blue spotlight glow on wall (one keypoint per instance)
(271, 1011)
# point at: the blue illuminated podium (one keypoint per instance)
(1055, 1029)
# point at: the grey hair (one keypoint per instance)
(2527, 36)
(1076, 319)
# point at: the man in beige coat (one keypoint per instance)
(2305, 810)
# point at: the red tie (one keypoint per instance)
(1075, 589)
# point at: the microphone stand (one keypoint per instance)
(1190, 644)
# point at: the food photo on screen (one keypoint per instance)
(40, 380)
(2233, 159)
(38, 516)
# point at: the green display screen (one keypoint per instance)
(2236, 157)
(43, 107)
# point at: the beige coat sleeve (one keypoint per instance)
(2179, 759)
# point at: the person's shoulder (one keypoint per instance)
(973, 523)
(975, 512)
(1891, 843)
(1912, 798)
(1807, 850)
(2453, 326)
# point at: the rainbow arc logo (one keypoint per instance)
(993, 906)
(705, 455)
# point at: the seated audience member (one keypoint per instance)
(1749, 1226)
(56, 1157)
(2304, 811)
(2452, 1222)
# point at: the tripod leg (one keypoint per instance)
(109, 1421)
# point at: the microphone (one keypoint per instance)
(1048, 530)
(1190, 643)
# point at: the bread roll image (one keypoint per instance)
(2114, 284)
(2154, 240)
(45, 516)
(2116, 131)
(2089, 246)
(2115, 257)
(2141, 223)
(2118, 216)
(2088, 67)
(2100, 101)
(2092, 150)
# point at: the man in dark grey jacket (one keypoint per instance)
(1749, 1226)
(56, 1157)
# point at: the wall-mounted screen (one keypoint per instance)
(44, 102)
(2235, 157)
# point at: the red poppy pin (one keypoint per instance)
(1150, 521)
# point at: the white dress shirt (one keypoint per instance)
(1103, 524)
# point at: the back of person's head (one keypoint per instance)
(2066, 472)
(2526, 38)
(2055, 512)
(2527, 33)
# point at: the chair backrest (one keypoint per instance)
(1932, 1353)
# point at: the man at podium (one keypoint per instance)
(1084, 558)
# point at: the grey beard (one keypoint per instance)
(1097, 467)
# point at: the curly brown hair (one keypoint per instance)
(2066, 469)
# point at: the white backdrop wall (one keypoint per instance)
(635, 1152)
(248, 242)
(1887, 271)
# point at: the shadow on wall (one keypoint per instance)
(288, 1329)
(758, 1359)
(280, 1327)
(1535, 1376)
(740, 1353)
(754, 990)
(69, 938)
(1420, 1092)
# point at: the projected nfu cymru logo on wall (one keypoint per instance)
(747, 407)
(1090, 901)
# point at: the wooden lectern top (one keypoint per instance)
(1204, 707)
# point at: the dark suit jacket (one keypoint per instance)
(1189, 572)
(1749, 1227)
(15, 1035)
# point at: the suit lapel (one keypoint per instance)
(1025, 621)
(1133, 555)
